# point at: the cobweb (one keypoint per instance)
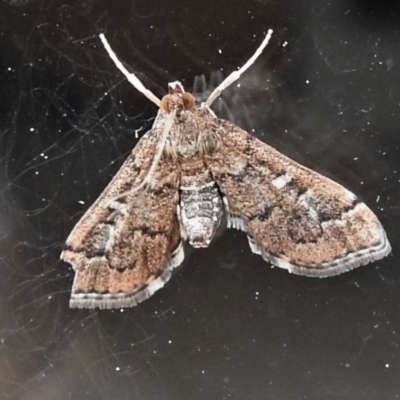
(69, 119)
(63, 137)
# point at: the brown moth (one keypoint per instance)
(188, 172)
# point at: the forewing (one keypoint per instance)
(295, 218)
(124, 247)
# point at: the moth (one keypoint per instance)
(185, 176)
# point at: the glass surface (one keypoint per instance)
(325, 92)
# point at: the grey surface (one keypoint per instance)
(227, 326)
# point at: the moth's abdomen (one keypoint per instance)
(201, 209)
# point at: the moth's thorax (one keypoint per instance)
(200, 206)
(192, 135)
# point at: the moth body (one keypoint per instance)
(179, 180)
(201, 208)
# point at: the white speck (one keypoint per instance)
(220, 51)
(117, 368)
(203, 372)
(169, 341)
(347, 365)
(81, 202)
(355, 158)
(284, 44)
(31, 129)
(307, 81)
(36, 172)
(377, 198)
(238, 85)
(9, 69)
(387, 365)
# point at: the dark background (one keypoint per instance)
(326, 92)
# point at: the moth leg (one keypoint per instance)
(235, 75)
(233, 220)
(133, 80)
(183, 232)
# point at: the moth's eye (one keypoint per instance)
(165, 103)
(188, 100)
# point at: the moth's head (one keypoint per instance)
(177, 99)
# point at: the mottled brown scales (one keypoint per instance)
(180, 179)
(127, 238)
(295, 229)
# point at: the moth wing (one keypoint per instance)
(295, 218)
(125, 245)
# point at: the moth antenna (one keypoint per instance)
(160, 148)
(235, 75)
(133, 80)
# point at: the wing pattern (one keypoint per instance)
(124, 247)
(294, 217)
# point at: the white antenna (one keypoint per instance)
(130, 76)
(160, 148)
(235, 75)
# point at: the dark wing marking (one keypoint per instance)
(124, 247)
(295, 218)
